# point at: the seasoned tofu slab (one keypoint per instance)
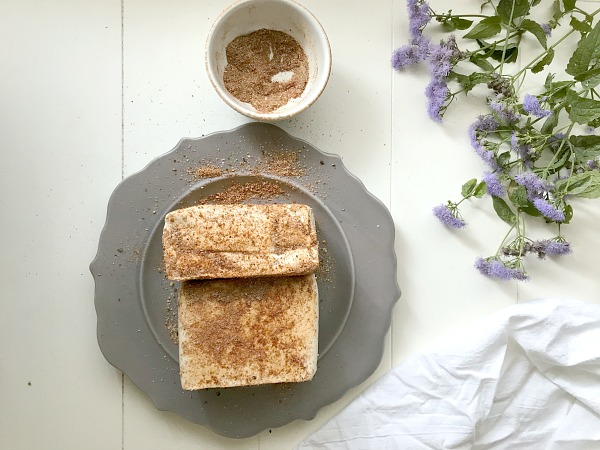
(248, 331)
(236, 241)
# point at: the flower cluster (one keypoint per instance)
(540, 149)
(448, 214)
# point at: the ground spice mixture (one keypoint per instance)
(266, 68)
(207, 171)
(242, 192)
(283, 164)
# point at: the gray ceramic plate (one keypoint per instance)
(357, 284)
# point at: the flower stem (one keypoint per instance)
(488, 46)
(508, 28)
(510, 230)
(446, 16)
(562, 143)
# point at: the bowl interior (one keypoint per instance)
(289, 17)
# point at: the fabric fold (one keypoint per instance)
(527, 377)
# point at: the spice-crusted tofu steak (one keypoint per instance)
(235, 241)
(248, 331)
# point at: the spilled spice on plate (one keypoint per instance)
(282, 164)
(266, 68)
(241, 192)
(171, 322)
(207, 171)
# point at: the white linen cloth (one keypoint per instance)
(528, 378)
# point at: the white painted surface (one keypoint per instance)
(93, 90)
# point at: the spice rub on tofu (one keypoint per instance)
(236, 241)
(248, 331)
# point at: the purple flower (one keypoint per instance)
(414, 53)
(485, 123)
(493, 185)
(592, 164)
(448, 217)
(488, 156)
(494, 268)
(558, 248)
(531, 105)
(404, 56)
(549, 211)
(551, 247)
(546, 29)
(440, 61)
(411, 54)
(418, 16)
(590, 129)
(437, 92)
(514, 141)
(504, 112)
(533, 184)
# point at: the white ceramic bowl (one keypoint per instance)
(288, 16)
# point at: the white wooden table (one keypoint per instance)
(92, 90)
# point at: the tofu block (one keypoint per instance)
(236, 241)
(248, 331)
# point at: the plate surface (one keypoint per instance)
(136, 305)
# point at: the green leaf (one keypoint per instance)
(511, 9)
(488, 27)
(559, 162)
(586, 185)
(535, 29)
(547, 59)
(503, 159)
(585, 147)
(557, 90)
(589, 79)
(468, 188)
(461, 24)
(481, 62)
(556, 11)
(568, 214)
(587, 54)
(531, 211)
(504, 211)
(518, 196)
(582, 110)
(549, 124)
(594, 123)
(468, 82)
(512, 50)
(586, 76)
(578, 25)
(569, 5)
(479, 77)
(480, 190)
(448, 26)
(451, 23)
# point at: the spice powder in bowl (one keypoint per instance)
(268, 59)
(266, 68)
